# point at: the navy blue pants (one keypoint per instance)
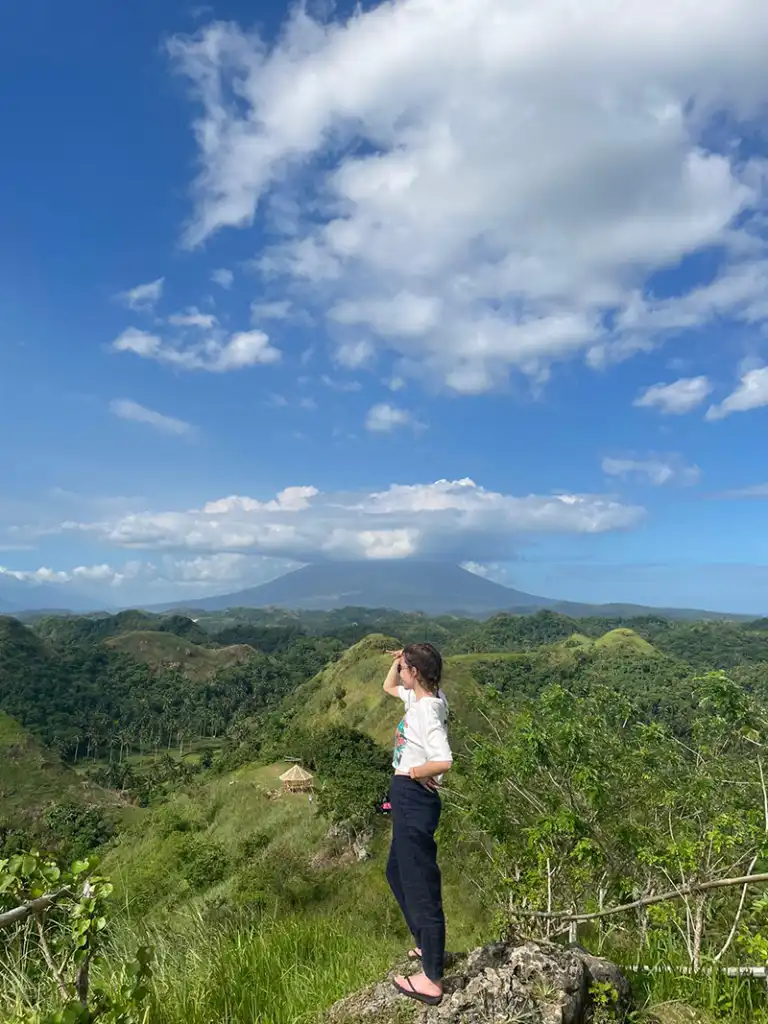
(412, 870)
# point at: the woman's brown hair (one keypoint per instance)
(427, 661)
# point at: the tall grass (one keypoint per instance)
(666, 992)
(702, 998)
(280, 971)
(286, 969)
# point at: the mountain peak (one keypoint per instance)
(434, 588)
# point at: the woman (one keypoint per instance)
(422, 755)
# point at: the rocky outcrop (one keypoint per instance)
(538, 983)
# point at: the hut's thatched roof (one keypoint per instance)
(296, 774)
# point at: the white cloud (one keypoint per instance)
(489, 571)
(753, 491)
(125, 409)
(193, 318)
(737, 294)
(354, 354)
(337, 384)
(455, 520)
(373, 544)
(103, 574)
(483, 186)
(477, 569)
(206, 571)
(223, 277)
(217, 353)
(405, 315)
(752, 393)
(292, 499)
(384, 418)
(677, 398)
(656, 469)
(143, 297)
(270, 311)
(166, 578)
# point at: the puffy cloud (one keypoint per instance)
(125, 409)
(752, 393)
(677, 398)
(292, 499)
(199, 575)
(484, 185)
(193, 318)
(101, 574)
(143, 297)
(656, 469)
(354, 354)
(373, 544)
(455, 520)
(223, 277)
(225, 569)
(489, 571)
(737, 294)
(216, 353)
(384, 418)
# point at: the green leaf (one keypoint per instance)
(28, 865)
(79, 866)
(51, 872)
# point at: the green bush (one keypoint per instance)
(252, 844)
(204, 862)
(76, 830)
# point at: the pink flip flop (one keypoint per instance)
(411, 993)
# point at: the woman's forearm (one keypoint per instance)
(392, 681)
(430, 769)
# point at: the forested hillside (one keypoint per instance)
(597, 761)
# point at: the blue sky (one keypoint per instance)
(461, 280)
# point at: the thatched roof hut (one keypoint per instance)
(297, 780)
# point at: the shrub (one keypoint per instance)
(76, 830)
(203, 861)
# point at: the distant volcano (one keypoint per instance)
(428, 587)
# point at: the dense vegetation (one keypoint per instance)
(85, 695)
(599, 761)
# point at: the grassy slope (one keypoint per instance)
(305, 903)
(349, 691)
(32, 777)
(333, 916)
(162, 649)
(360, 673)
(276, 851)
(271, 852)
(625, 640)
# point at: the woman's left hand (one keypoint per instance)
(429, 782)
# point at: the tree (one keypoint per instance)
(60, 914)
(581, 801)
(354, 773)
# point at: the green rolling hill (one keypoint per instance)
(349, 691)
(166, 650)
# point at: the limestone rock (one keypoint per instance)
(538, 983)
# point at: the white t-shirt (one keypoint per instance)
(422, 734)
